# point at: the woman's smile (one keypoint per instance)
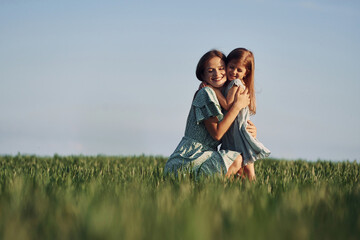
(218, 78)
(214, 73)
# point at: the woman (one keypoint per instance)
(206, 124)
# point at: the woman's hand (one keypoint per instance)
(251, 128)
(241, 99)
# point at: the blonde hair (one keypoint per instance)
(246, 58)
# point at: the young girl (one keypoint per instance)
(240, 74)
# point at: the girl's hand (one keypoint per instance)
(241, 99)
(202, 85)
(242, 89)
(251, 129)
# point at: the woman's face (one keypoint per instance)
(235, 70)
(214, 73)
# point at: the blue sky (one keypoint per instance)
(118, 77)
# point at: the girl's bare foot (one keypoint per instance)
(250, 172)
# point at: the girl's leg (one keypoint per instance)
(241, 174)
(250, 171)
(234, 167)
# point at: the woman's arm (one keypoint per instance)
(251, 128)
(218, 129)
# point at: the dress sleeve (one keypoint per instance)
(238, 83)
(206, 105)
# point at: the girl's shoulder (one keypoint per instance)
(237, 82)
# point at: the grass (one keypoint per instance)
(102, 197)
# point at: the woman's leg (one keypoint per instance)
(234, 167)
(250, 171)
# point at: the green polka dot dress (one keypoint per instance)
(197, 149)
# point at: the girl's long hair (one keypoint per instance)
(246, 58)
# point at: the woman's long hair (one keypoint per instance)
(246, 58)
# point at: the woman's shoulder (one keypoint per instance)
(206, 105)
(204, 95)
(207, 91)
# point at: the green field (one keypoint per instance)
(80, 197)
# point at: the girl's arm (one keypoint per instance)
(218, 129)
(231, 95)
(224, 102)
(227, 102)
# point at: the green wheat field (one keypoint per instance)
(103, 197)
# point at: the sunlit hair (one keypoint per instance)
(245, 58)
(204, 61)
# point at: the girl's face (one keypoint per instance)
(214, 73)
(235, 70)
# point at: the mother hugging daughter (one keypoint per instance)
(207, 124)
